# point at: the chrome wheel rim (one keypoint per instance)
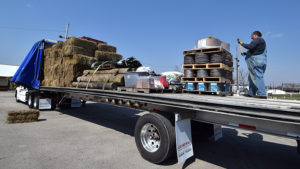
(29, 100)
(150, 137)
(35, 102)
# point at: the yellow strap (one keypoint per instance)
(87, 85)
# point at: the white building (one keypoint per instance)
(275, 91)
(6, 73)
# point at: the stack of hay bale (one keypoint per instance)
(65, 61)
(22, 116)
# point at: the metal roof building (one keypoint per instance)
(6, 73)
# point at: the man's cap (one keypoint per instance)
(257, 33)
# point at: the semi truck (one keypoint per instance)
(173, 118)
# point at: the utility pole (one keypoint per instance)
(237, 71)
(67, 30)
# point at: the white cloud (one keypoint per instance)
(274, 35)
(277, 35)
(28, 5)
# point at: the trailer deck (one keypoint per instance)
(278, 117)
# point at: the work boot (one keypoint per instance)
(260, 97)
(247, 95)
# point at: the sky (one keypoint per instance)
(156, 32)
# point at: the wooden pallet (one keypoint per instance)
(187, 66)
(200, 92)
(188, 79)
(206, 66)
(206, 50)
(205, 79)
(220, 93)
(215, 80)
(137, 90)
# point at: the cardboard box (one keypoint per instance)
(145, 83)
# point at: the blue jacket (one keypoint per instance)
(256, 47)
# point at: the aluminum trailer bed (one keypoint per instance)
(277, 117)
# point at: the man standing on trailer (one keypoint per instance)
(256, 59)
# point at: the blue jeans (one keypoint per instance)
(257, 66)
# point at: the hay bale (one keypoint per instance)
(112, 78)
(112, 71)
(22, 112)
(107, 48)
(107, 56)
(58, 45)
(47, 51)
(55, 54)
(66, 61)
(79, 59)
(96, 85)
(63, 71)
(22, 116)
(73, 41)
(69, 50)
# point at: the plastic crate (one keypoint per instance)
(131, 78)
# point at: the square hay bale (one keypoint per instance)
(73, 41)
(106, 48)
(79, 59)
(47, 51)
(22, 116)
(62, 71)
(112, 78)
(96, 85)
(69, 50)
(107, 56)
(113, 71)
(58, 45)
(55, 54)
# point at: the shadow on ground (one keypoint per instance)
(232, 151)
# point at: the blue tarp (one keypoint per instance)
(28, 72)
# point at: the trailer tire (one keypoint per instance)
(30, 100)
(16, 96)
(83, 102)
(53, 104)
(155, 137)
(298, 146)
(36, 101)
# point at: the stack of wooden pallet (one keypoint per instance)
(208, 70)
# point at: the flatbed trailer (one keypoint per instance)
(155, 132)
(173, 118)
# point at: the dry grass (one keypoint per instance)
(22, 116)
(73, 41)
(69, 50)
(106, 48)
(107, 56)
(111, 71)
(112, 78)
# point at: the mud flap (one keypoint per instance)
(184, 146)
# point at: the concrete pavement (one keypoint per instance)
(101, 136)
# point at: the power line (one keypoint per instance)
(30, 29)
